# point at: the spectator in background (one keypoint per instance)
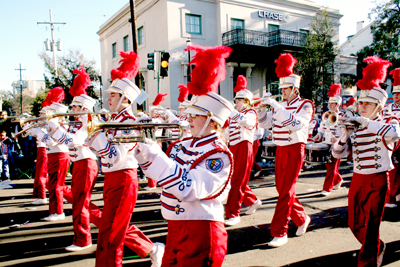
(5, 145)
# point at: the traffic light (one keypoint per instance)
(164, 64)
(150, 60)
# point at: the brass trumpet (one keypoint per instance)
(24, 131)
(252, 103)
(332, 119)
(147, 130)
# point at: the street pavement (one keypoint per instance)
(328, 241)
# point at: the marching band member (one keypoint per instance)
(58, 158)
(371, 144)
(393, 110)
(241, 129)
(289, 121)
(40, 182)
(120, 174)
(196, 173)
(84, 172)
(329, 134)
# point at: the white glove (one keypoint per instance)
(361, 120)
(147, 151)
(53, 124)
(233, 113)
(267, 94)
(170, 116)
(317, 137)
(33, 132)
(272, 102)
(103, 110)
(346, 132)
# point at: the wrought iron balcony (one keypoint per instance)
(264, 39)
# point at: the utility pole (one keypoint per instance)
(20, 81)
(53, 43)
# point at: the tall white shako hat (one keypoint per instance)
(334, 94)
(78, 90)
(53, 99)
(123, 74)
(43, 110)
(241, 89)
(373, 75)
(284, 71)
(185, 104)
(396, 77)
(209, 71)
(182, 98)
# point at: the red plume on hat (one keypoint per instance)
(241, 84)
(183, 93)
(335, 89)
(81, 82)
(374, 73)
(129, 66)
(159, 98)
(284, 65)
(351, 101)
(210, 68)
(396, 76)
(55, 95)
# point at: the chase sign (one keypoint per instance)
(273, 16)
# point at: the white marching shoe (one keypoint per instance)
(380, 256)
(325, 193)
(278, 241)
(40, 201)
(157, 254)
(232, 221)
(254, 207)
(55, 217)
(391, 205)
(338, 185)
(301, 230)
(74, 248)
(147, 188)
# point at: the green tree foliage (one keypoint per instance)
(65, 67)
(12, 104)
(317, 62)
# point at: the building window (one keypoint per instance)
(114, 50)
(273, 27)
(126, 43)
(193, 24)
(237, 24)
(140, 34)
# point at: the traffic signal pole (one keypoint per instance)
(154, 64)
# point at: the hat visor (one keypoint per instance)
(75, 104)
(195, 110)
(368, 99)
(113, 90)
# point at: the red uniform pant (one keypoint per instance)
(134, 238)
(256, 145)
(84, 176)
(120, 195)
(394, 178)
(366, 198)
(40, 183)
(58, 164)
(195, 243)
(240, 191)
(288, 163)
(332, 175)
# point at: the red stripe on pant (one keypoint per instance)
(40, 183)
(394, 178)
(256, 145)
(134, 238)
(84, 176)
(58, 164)
(120, 195)
(240, 191)
(152, 182)
(195, 243)
(288, 163)
(332, 175)
(367, 195)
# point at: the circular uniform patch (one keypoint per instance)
(214, 165)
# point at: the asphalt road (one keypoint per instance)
(328, 241)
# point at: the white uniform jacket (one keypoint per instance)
(290, 123)
(242, 126)
(370, 146)
(195, 178)
(327, 133)
(74, 138)
(391, 110)
(115, 157)
(182, 121)
(51, 145)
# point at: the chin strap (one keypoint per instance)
(209, 115)
(119, 103)
(377, 106)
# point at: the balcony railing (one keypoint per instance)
(264, 39)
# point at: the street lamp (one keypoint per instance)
(188, 43)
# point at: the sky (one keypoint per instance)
(22, 38)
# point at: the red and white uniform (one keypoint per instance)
(120, 194)
(326, 133)
(393, 110)
(370, 183)
(182, 121)
(84, 176)
(258, 135)
(195, 180)
(40, 183)
(241, 136)
(58, 164)
(289, 132)
(311, 127)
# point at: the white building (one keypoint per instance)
(257, 30)
(29, 87)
